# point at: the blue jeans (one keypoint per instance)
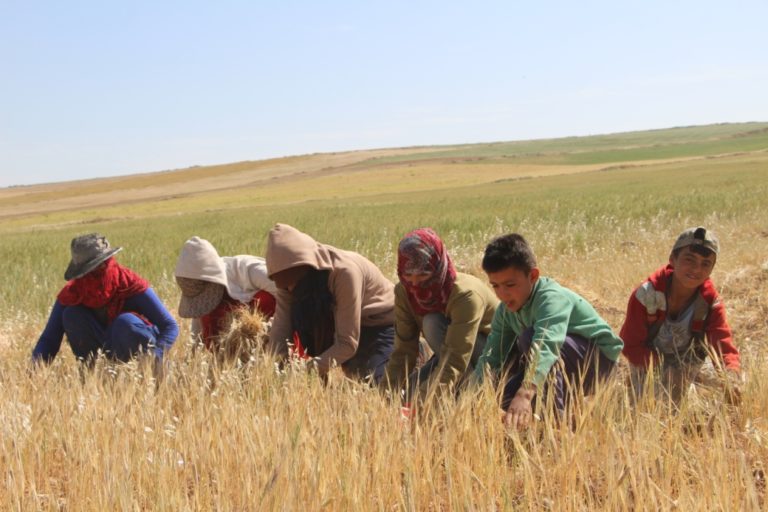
(121, 340)
(373, 351)
(434, 326)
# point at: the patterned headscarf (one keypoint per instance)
(104, 287)
(422, 252)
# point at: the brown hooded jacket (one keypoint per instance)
(363, 296)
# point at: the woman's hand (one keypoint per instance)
(520, 411)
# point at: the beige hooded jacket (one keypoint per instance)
(243, 275)
(363, 296)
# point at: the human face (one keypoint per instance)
(512, 286)
(416, 279)
(97, 272)
(288, 279)
(691, 269)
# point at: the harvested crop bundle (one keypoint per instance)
(243, 333)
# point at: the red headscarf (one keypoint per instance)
(104, 287)
(422, 252)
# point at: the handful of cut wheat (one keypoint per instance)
(244, 332)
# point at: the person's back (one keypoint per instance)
(376, 291)
(213, 288)
(338, 301)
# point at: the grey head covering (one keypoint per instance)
(697, 236)
(88, 252)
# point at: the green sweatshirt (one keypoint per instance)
(553, 311)
(470, 308)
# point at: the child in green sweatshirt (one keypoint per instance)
(538, 324)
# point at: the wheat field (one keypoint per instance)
(601, 214)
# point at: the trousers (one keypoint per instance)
(434, 327)
(581, 365)
(123, 338)
(373, 352)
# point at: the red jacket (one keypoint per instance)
(634, 332)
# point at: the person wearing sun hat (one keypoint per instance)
(676, 318)
(105, 307)
(213, 286)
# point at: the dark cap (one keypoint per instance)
(697, 236)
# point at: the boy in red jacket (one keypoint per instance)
(676, 318)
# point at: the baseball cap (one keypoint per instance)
(697, 236)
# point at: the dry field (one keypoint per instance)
(601, 213)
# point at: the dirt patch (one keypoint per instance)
(84, 194)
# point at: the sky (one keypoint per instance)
(103, 88)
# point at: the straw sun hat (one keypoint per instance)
(201, 276)
(198, 297)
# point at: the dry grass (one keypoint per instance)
(251, 437)
(248, 435)
(263, 439)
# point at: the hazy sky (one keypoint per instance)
(99, 88)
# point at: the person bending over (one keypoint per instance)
(544, 337)
(212, 287)
(333, 304)
(452, 310)
(105, 307)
